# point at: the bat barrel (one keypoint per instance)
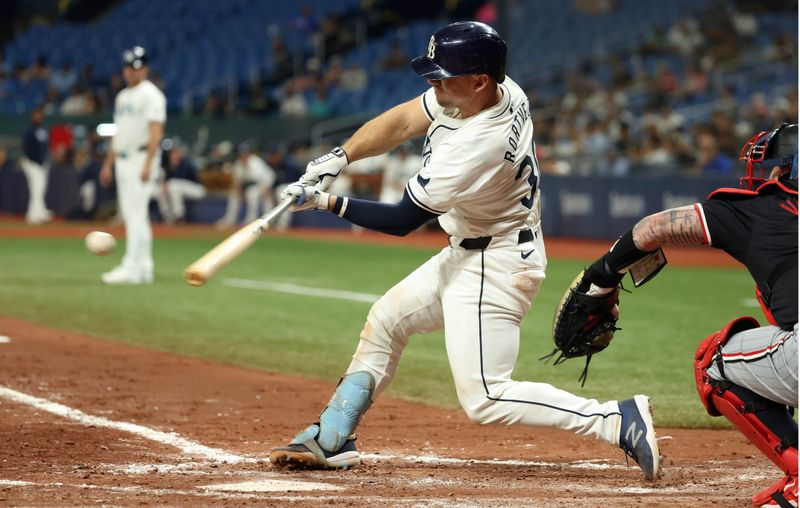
(229, 249)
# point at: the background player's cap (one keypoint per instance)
(136, 57)
(466, 47)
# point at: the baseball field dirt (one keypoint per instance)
(86, 421)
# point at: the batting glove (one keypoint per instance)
(322, 171)
(305, 197)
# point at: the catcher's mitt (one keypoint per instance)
(583, 325)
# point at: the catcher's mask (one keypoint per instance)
(766, 150)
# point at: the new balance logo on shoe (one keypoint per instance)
(632, 436)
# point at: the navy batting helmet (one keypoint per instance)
(466, 47)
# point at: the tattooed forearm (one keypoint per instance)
(677, 226)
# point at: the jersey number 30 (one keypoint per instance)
(533, 181)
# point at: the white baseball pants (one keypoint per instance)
(36, 175)
(172, 197)
(133, 198)
(480, 298)
(254, 195)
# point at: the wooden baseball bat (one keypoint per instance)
(230, 248)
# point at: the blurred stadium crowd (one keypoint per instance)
(618, 87)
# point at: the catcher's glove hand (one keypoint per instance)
(583, 324)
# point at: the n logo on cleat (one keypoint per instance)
(632, 436)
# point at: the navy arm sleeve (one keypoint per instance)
(399, 219)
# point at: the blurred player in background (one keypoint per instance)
(746, 372)
(140, 111)
(480, 179)
(34, 163)
(254, 178)
(397, 171)
(179, 184)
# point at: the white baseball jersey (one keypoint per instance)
(491, 188)
(254, 170)
(134, 109)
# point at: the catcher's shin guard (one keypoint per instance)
(351, 399)
(707, 351)
(766, 424)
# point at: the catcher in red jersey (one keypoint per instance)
(745, 371)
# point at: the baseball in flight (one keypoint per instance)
(100, 243)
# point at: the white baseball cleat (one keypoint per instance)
(122, 275)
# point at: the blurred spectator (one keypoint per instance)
(333, 74)
(79, 103)
(180, 183)
(51, 102)
(40, 70)
(615, 164)
(255, 179)
(305, 21)
(319, 107)
(398, 169)
(258, 103)
(656, 153)
(395, 58)
(333, 37)
(757, 114)
(354, 78)
(34, 163)
(695, 83)
(282, 66)
(655, 42)
(218, 105)
(709, 159)
(782, 49)
(744, 24)
(723, 129)
(293, 104)
(594, 146)
(487, 13)
(64, 79)
(685, 37)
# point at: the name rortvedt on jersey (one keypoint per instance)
(520, 117)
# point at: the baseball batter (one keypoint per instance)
(745, 371)
(481, 180)
(140, 111)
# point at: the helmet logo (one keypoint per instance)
(431, 48)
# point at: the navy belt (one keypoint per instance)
(124, 155)
(526, 235)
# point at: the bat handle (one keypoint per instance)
(273, 214)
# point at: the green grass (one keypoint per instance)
(56, 282)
